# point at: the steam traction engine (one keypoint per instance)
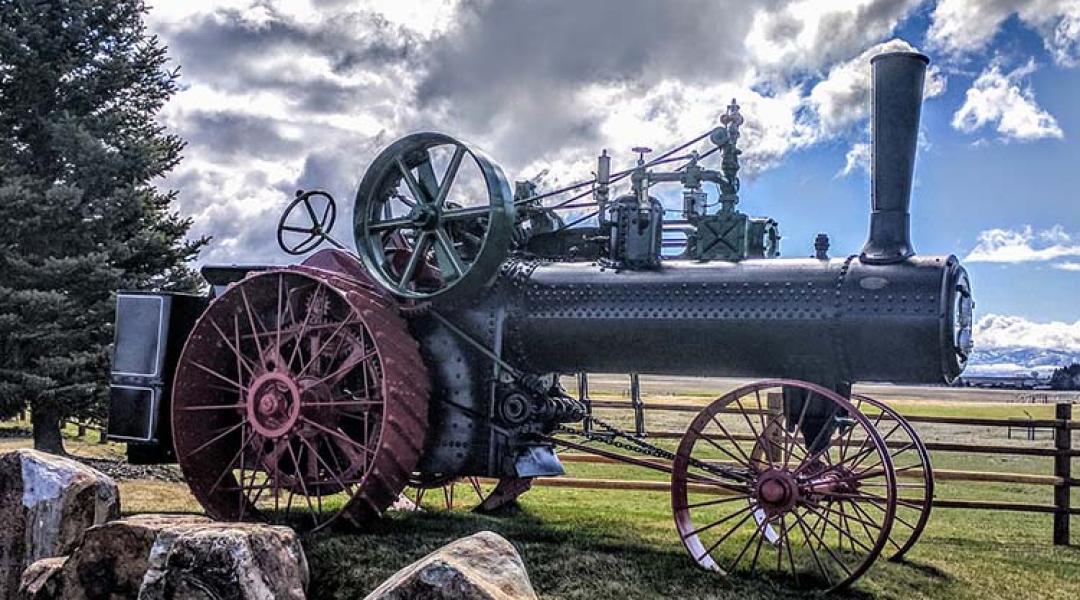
(436, 353)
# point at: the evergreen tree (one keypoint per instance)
(81, 82)
(1066, 378)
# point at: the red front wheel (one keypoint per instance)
(784, 478)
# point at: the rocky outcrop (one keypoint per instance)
(483, 566)
(154, 557)
(46, 503)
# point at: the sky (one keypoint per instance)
(282, 95)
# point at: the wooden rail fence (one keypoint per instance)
(1061, 479)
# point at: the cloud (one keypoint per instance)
(856, 159)
(279, 95)
(1067, 266)
(1001, 100)
(964, 26)
(1025, 245)
(842, 98)
(1008, 331)
(809, 34)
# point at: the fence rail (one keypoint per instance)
(1061, 479)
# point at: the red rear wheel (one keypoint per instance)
(915, 475)
(299, 397)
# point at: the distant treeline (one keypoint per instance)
(1066, 378)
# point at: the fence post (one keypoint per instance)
(639, 408)
(1062, 469)
(773, 429)
(583, 395)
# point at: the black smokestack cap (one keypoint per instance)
(897, 103)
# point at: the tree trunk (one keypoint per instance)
(46, 422)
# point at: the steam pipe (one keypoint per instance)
(897, 102)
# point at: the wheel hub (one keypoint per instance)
(273, 404)
(776, 491)
(425, 217)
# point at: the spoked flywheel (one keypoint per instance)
(434, 218)
(787, 479)
(915, 475)
(298, 397)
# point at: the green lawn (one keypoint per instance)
(620, 545)
(592, 544)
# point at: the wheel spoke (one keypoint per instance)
(212, 407)
(792, 438)
(457, 214)
(704, 528)
(418, 251)
(447, 254)
(254, 331)
(410, 182)
(307, 230)
(348, 320)
(325, 216)
(398, 223)
(726, 535)
(448, 177)
(219, 436)
(426, 171)
(337, 434)
(210, 371)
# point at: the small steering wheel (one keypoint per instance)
(312, 227)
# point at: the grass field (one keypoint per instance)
(590, 544)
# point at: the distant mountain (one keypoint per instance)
(1004, 361)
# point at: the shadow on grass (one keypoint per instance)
(592, 560)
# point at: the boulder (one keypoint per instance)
(41, 580)
(483, 566)
(46, 503)
(157, 557)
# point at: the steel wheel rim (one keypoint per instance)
(907, 529)
(816, 517)
(388, 245)
(293, 431)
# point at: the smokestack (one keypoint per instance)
(894, 126)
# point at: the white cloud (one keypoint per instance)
(962, 26)
(1025, 245)
(857, 158)
(811, 34)
(1005, 331)
(281, 94)
(842, 98)
(1068, 266)
(1002, 100)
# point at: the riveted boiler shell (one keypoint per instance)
(806, 318)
